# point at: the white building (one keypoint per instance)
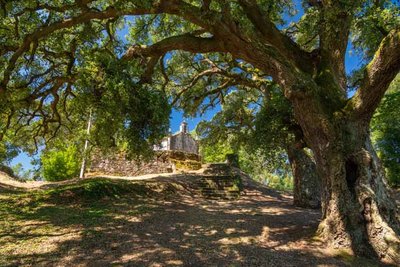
(180, 141)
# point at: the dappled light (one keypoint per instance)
(288, 147)
(260, 228)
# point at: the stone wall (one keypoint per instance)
(162, 162)
(184, 142)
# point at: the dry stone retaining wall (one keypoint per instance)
(162, 162)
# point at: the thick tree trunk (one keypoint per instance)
(357, 209)
(307, 184)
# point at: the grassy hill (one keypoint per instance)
(157, 222)
(31, 218)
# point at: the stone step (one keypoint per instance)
(212, 183)
(217, 168)
(218, 177)
(230, 189)
(217, 186)
(216, 180)
(217, 196)
(215, 165)
(222, 189)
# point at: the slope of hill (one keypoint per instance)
(157, 221)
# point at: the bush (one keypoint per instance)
(59, 165)
(7, 170)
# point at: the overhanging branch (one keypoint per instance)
(185, 42)
(176, 7)
(271, 35)
(378, 75)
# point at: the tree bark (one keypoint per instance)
(357, 208)
(358, 211)
(307, 185)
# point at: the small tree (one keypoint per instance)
(59, 165)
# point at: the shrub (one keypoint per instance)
(279, 182)
(59, 165)
(7, 170)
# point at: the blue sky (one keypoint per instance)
(175, 120)
(353, 61)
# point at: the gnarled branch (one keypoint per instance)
(378, 75)
(186, 42)
(176, 7)
(271, 35)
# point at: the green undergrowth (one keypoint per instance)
(87, 199)
(97, 188)
(103, 188)
(78, 212)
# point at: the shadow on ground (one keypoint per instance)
(261, 228)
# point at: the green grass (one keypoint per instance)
(30, 218)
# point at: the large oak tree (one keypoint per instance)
(47, 50)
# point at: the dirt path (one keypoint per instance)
(262, 228)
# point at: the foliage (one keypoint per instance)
(8, 151)
(215, 152)
(268, 167)
(58, 77)
(373, 22)
(257, 128)
(125, 113)
(17, 170)
(60, 164)
(284, 183)
(7, 170)
(72, 72)
(195, 53)
(21, 174)
(386, 132)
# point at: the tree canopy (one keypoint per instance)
(53, 51)
(60, 59)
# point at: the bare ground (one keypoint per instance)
(262, 228)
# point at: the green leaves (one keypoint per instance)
(60, 164)
(373, 21)
(62, 58)
(385, 128)
(257, 127)
(306, 30)
(124, 110)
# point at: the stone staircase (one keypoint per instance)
(218, 182)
